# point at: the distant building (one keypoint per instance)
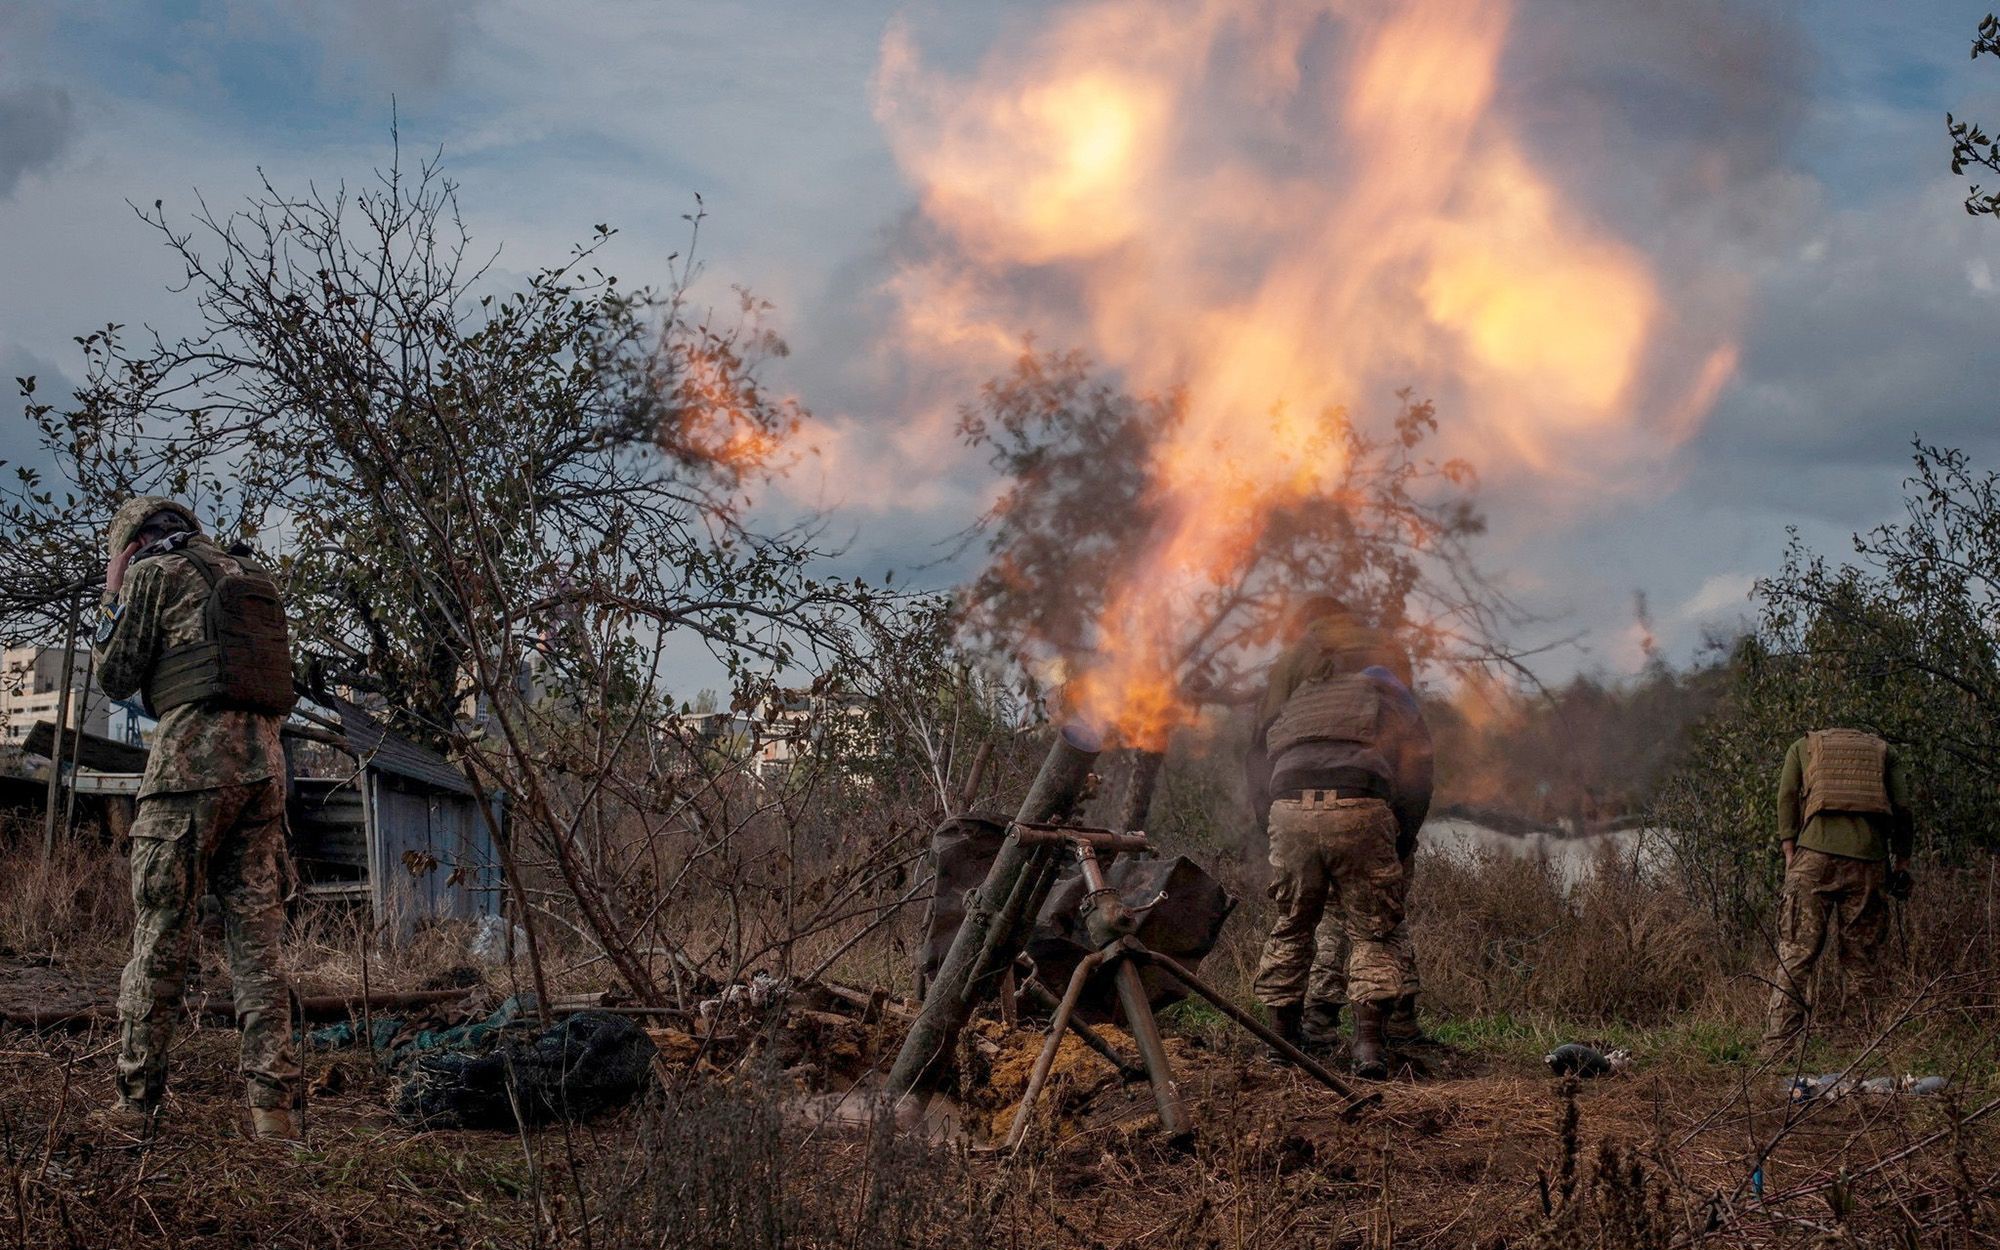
(773, 736)
(31, 686)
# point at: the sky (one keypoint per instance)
(1783, 168)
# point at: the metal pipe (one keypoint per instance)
(56, 739)
(975, 777)
(1152, 1050)
(1037, 835)
(1109, 917)
(1050, 1045)
(1007, 921)
(1139, 786)
(1058, 786)
(1356, 1102)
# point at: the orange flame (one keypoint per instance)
(719, 417)
(1283, 206)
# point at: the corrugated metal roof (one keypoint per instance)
(382, 748)
(106, 755)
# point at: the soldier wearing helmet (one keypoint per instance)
(199, 633)
(1347, 783)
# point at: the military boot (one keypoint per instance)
(1369, 1061)
(280, 1124)
(1400, 1028)
(1321, 1026)
(1285, 1023)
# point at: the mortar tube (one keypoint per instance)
(1006, 926)
(1064, 773)
(1009, 935)
(1139, 786)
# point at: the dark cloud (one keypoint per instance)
(19, 443)
(1876, 332)
(390, 43)
(1666, 101)
(37, 121)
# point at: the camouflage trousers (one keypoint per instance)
(227, 841)
(1335, 858)
(1326, 984)
(1825, 894)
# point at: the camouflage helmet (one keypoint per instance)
(133, 514)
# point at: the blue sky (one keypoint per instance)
(1871, 292)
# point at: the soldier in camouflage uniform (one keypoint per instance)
(1845, 831)
(1348, 754)
(211, 818)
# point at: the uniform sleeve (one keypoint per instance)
(1257, 781)
(1902, 825)
(1420, 765)
(1283, 682)
(129, 639)
(1791, 781)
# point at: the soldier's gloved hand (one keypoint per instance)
(1900, 884)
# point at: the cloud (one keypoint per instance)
(366, 47)
(1792, 161)
(1721, 595)
(18, 439)
(37, 122)
(1874, 331)
(392, 41)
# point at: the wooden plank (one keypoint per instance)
(101, 754)
(373, 858)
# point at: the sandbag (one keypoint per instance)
(1184, 926)
(962, 849)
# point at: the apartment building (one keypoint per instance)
(31, 685)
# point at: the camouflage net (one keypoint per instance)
(580, 1067)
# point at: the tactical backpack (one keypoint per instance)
(244, 659)
(1342, 708)
(1845, 771)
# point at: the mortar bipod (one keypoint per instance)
(1110, 923)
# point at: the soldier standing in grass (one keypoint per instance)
(1410, 798)
(201, 633)
(1845, 832)
(1339, 741)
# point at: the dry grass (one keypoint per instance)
(75, 903)
(1474, 1145)
(1495, 1155)
(1503, 935)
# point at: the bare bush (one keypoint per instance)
(75, 903)
(1504, 935)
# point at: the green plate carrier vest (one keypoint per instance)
(244, 659)
(1845, 771)
(1346, 708)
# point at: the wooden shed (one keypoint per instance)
(402, 831)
